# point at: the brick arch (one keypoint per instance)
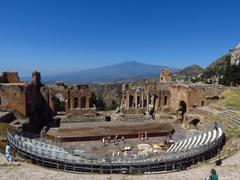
(58, 100)
(165, 98)
(183, 106)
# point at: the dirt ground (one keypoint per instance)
(230, 169)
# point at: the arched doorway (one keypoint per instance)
(165, 100)
(75, 102)
(83, 102)
(131, 103)
(194, 121)
(182, 109)
(182, 106)
(59, 102)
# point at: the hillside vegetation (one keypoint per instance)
(222, 70)
(107, 96)
(190, 71)
(3, 129)
(217, 68)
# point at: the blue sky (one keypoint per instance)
(55, 36)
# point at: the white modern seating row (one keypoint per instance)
(196, 141)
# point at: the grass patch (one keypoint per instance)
(3, 133)
(233, 132)
(230, 98)
(3, 129)
(230, 129)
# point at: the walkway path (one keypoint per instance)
(230, 169)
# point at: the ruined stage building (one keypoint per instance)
(166, 96)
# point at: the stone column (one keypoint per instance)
(51, 102)
(142, 99)
(135, 99)
(147, 101)
(186, 120)
(87, 101)
(128, 103)
(80, 101)
(68, 101)
(71, 101)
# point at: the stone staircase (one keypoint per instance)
(225, 113)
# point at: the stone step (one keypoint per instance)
(236, 122)
(226, 114)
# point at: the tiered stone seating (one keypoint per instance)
(228, 114)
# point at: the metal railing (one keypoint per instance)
(56, 157)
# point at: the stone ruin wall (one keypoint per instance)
(9, 77)
(28, 99)
(24, 100)
(77, 99)
(141, 99)
(36, 101)
(178, 93)
(194, 95)
(13, 94)
(167, 96)
(14, 97)
(203, 95)
(21, 97)
(165, 76)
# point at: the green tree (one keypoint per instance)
(227, 78)
(100, 104)
(59, 105)
(113, 105)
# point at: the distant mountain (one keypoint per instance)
(190, 71)
(126, 71)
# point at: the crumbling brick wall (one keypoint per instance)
(26, 100)
(167, 96)
(77, 99)
(13, 96)
(9, 77)
(165, 76)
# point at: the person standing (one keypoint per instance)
(213, 175)
(8, 153)
(216, 126)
